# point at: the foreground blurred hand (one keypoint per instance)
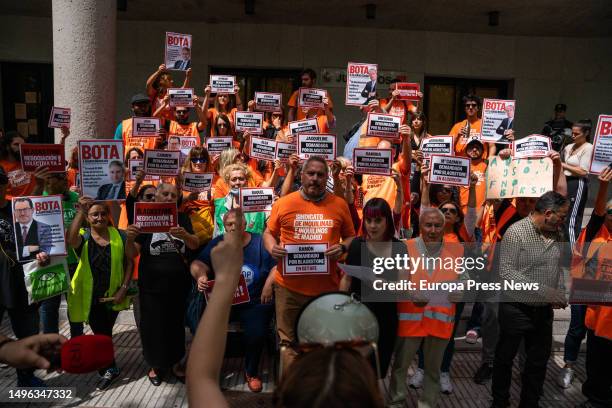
(31, 352)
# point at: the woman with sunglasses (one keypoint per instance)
(224, 104)
(377, 240)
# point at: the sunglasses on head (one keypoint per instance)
(448, 210)
(198, 160)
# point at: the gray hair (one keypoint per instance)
(431, 210)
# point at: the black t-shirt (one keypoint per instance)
(12, 287)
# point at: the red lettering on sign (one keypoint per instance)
(180, 41)
(495, 105)
(606, 128)
(358, 69)
(46, 206)
(100, 152)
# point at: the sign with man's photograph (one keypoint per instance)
(101, 168)
(361, 83)
(497, 120)
(178, 51)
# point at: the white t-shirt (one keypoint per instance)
(581, 157)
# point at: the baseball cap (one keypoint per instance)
(140, 98)
(560, 107)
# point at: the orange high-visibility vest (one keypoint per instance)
(177, 129)
(129, 141)
(598, 318)
(436, 321)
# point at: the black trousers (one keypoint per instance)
(532, 324)
(598, 385)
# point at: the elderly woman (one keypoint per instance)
(163, 286)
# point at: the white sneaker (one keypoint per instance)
(446, 387)
(416, 381)
(566, 377)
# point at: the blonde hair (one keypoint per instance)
(227, 157)
(227, 170)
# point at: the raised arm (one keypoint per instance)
(151, 80)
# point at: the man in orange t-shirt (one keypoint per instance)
(308, 77)
(474, 150)
(460, 129)
(308, 216)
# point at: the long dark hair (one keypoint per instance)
(374, 208)
(586, 127)
(421, 116)
(460, 216)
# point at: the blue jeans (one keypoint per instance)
(49, 314)
(575, 333)
(24, 322)
(450, 347)
(255, 321)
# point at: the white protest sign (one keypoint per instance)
(285, 150)
(449, 170)
(136, 165)
(531, 146)
(361, 83)
(305, 259)
(317, 145)
(311, 98)
(249, 121)
(162, 162)
(497, 118)
(222, 84)
(178, 51)
(519, 177)
(268, 102)
(145, 127)
(440, 145)
(255, 199)
(197, 182)
(101, 168)
(264, 149)
(215, 145)
(181, 97)
(187, 143)
(303, 126)
(373, 161)
(59, 117)
(602, 145)
(382, 125)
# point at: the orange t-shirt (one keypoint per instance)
(71, 175)
(129, 141)
(399, 108)
(461, 142)
(20, 182)
(190, 129)
(212, 118)
(481, 187)
(294, 220)
(301, 112)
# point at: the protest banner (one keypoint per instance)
(47, 155)
(602, 145)
(255, 199)
(373, 161)
(215, 145)
(449, 170)
(136, 165)
(145, 127)
(305, 259)
(222, 84)
(39, 226)
(440, 145)
(531, 146)
(519, 177)
(155, 217)
(178, 51)
(383, 125)
(268, 102)
(303, 126)
(311, 98)
(197, 182)
(249, 122)
(316, 144)
(497, 118)
(101, 168)
(285, 150)
(162, 162)
(59, 117)
(264, 149)
(240, 296)
(360, 79)
(409, 91)
(187, 143)
(181, 97)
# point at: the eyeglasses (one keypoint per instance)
(448, 210)
(198, 160)
(471, 105)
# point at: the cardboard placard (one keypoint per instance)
(222, 84)
(409, 91)
(373, 161)
(361, 83)
(440, 145)
(256, 199)
(311, 98)
(316, 144)
(264, 149)
(181, 97)
(102, 169)
(531, 146)
(519, 177)
(162, 162)
(39, 226)
(145, 127)
(268, 102)
(155, 217)
(305, 259)
(303, 126)
(285, 150)
(177, 53)
(215, 145)
(37, 155)
(240, 296)
(602, 145)
(249, 121)
(497, 117)
(383, 125)
(59, 117)
(135, 165)
(197, 182)
(449, 170)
